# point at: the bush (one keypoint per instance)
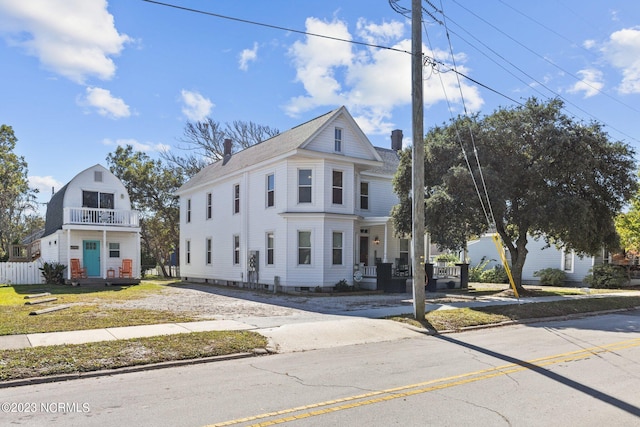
(606, 276)
(551, 276)
(342, 286)
(475, 272)
(496, 274)
(53, 273)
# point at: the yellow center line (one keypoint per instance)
(426, 386)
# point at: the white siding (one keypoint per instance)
(352, 145)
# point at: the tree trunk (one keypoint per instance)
(518, 253)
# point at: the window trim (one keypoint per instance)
(309, 248)
(208, 248)
(187, 251)
(236, 198)
(563, 261)
(112, 249)
(270, 191)
(304, 186)
(236, 249)
(364, 196)
(188, 213)
(339, 189)
(334, 248)
(209, 207)
(337, 140)
(270, 248)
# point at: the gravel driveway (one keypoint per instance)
(221, 302)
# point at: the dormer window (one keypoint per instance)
(337, 145)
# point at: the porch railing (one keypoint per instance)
(95, 216)
(369, 271)
(446, 271)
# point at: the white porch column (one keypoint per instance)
(69, 254)
(386, 239)
(103, 260)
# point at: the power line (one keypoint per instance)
(275, 27)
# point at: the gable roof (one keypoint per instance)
(289, 142)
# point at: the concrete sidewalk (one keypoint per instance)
(285, 333)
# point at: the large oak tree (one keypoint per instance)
(546, 175)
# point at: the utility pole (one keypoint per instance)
(417, 229)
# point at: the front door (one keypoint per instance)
(91, 257)
(364, 250)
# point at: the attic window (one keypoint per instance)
(337, 145)
(97, 176)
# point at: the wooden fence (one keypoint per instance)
(21, 273)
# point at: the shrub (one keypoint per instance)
(53, 273)
(551, 276)
(606, 276)
(475, 271)
(496, 274)
(342, 286)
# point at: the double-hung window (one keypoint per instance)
(236, 198)
(304, 247)
(337, 248)
(209, 206)
(271, 190)
(188, 210)
(337, 187)
(304, 185)
(208, 249)
(364, 196)
(270, 249)
(236, 249)
(187, 251)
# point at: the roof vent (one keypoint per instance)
(396, 140)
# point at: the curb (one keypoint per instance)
(130, 369)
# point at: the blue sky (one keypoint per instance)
(79, 77)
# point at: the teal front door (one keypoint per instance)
(91, 257)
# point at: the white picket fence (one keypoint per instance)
(21, 273)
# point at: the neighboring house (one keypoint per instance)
(90, 219)
(303, 210)
(539, 257)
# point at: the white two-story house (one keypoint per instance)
(90, 220)
(303, 210)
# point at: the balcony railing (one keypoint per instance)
(94, 216)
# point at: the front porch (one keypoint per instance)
(390, 276)
(98, 281)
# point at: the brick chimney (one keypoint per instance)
(227, 147)
(396, 140)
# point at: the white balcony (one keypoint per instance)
(103, 217)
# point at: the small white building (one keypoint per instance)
(303, 210)
(539, 257)
(90, 219)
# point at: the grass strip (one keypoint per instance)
(67, 359)
(456, 319)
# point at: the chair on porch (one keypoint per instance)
(127, 269)
(77, 272)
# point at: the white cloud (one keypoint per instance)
(196, 107)
(248, 55)
(591, 83)
(45, 185)
(622, 50)
(73, 38)
(371, 82)
(106, 104)
(137, 146)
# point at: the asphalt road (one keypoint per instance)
(583, 372)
